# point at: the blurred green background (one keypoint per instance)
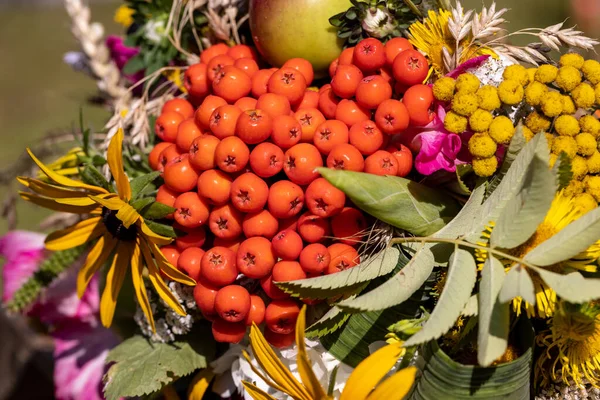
(39, 93)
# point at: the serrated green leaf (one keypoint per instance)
(466, 218)
(492, 337)
(399, 202)
(527, 210)
(135, 64)
(398, 288)
(161, 229)
(142, 367)
(157, 210)
(563, 171)
(572, 287)
(345, 281)
(514, 148)
(575, 238)
(90, 175)
(462, 274)
(141, 203)
(517, 283)
(329, 323)
(511, 184)
(141, 182)
(472, 307)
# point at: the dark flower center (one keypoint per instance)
(116, 227)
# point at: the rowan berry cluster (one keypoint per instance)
(240, 171)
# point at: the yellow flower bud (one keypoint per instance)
(510, 92)
(443, 89)
(590, 124)
(534, 93)
(568, 105)
(537, 122)
(455, 123)
(546, 73)
(528, 133)
(583, 95)
(591, 71)
(579, 167)
(568, 78)
(564, 144)
(516, 72)
(481, 145)
(572, 59)
(552, 105)
(464, 103)
(586, 144)
(488, 98)
(566, 125)
(592, 186)
(585, 202)
(501, 130)
(574, 188)
(467, 83)
(485, 166)
(593, 163)
(480, 120)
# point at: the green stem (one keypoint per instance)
(463, 243)
(413, 8)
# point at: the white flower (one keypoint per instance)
(490, 72)
(155, 31)
(377, 22)
(233, 369)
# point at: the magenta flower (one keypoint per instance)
(81, 343)
(22, 252)
(121, 54)
(436, 148)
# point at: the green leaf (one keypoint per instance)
(90, 175)
(397, 201)
(562, 169)
(351, 14)
(527, 210)
(575, 238)
(157, 210)
(462, 274)
(135, 64)
(85, 133)
(161, 229)
(329, 323)
(342, 282)
(472, 307)
(572, 287)
(141, 203)
(466, 218)
(516, 145)
(142, 367)
(492, 338)
(517, 283)
(511, 184)
(398, 288)
(141, 182)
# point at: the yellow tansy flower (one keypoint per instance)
(528, 133)
(579, 167)
(586, 144)
(537, 122)
(467, 83)
(455, 123)
(124, 16)
(534, 93)
(443, 89)
(583, 95)
(501, 130)
(591, 71)
(568, 78)
(546, 73)
(566, 125)
(593, 163)
(488, 98)
(592, 186)
(585, 202)
(480, 120)
(464, 104)
(568, 105)
(590, 124)
(481, 145)
(510, 92)
(574, 188)
(572, 59)
(517, 73)
(565, 144)
(485, 167)
(531, 73)
(552, 105)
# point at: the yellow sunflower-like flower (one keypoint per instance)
(66, 165)
(575, 335)
(365, 383)
(116, 226)
(124, 16)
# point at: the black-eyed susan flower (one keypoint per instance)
(365, 383)
(66, 165)
(568, 78)
(116, 226)
(571, 346)
(546, 73)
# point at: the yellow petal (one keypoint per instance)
(166, 268)
(310, 381)
(128, 215)
(77, 201)
(67, 171)
(256, 393)
(200, 384)
(114, 281)
(51, 204)
(80, 233)
(274, 368)
(370, 371)
(260, 374)
(396, 387)
(61, 180)
(138, 284)
(114, 157)
(48, 190)
(157, 281)
(94, 261)
(153, 236)
(112, 203)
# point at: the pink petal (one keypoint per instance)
(80, 351)
(472, 63)
(22, 251)
(436, 150)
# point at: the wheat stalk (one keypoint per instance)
(91, 38)
(487, 23)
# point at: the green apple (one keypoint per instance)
(284, 29)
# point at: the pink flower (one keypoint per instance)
(436, 148)
(22, 252)
(474, 62)
(121, 55)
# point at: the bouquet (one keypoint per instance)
(322, 200)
